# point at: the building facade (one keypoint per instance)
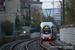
(2, 10)
(10, 10)
(57, 18)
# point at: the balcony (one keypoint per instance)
(2, 0)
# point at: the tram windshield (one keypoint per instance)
(46, 30)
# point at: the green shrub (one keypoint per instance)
(19, 31)
(34, 30)
(7, 27)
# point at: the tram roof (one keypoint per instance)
(50, 24)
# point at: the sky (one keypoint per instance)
(48, 4)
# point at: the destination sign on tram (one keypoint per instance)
(46, 27)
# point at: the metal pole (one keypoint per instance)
(29, 15)
(0, 28)
(24, 25)
(41, 16)
(53, 8)
(63, 12)
(13, 24)
(14, 19)
(49, 14)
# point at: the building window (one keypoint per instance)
(17, 8)
(9, 0)
(2, 5)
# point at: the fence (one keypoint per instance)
(7, 39)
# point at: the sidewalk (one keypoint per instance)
(64, 45)
(60, 42)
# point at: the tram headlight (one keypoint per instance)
(49, 37)
(43, 38)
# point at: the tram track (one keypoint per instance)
(27, 42)
(27, 45)
(32, 44)
(48, 45)
(50, 42)
(42, 46)
(7, 46)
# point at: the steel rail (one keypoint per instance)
(26, 46)
(13, 44)
(55, 46)
(42, 46)
(12, 47)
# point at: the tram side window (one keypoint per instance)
(52, 29)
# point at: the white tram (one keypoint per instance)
(48, 30)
